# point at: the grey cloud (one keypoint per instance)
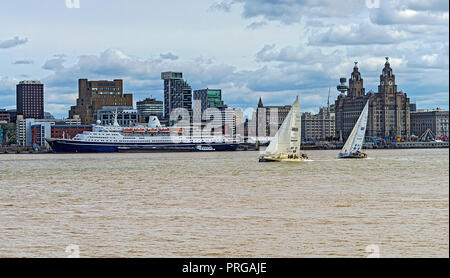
(256, 25)
(169, 56)
(224, 5)
(23, 62)
(16, 41)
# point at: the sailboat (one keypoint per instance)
(285, 146)
(353, 145)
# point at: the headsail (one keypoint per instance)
(356, 138)
(288, 138)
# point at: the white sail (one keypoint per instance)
(287, 139)
(355, 140)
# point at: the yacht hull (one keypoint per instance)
(273, 159)
(352, 155)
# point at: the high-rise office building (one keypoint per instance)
(177, 93)
(93, 95)
(207, 98)
(149, 107)
(30, 99)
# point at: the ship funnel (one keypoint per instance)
(116, 123)
(153, 122)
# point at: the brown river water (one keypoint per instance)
(394, 204)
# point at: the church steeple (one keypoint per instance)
(260, 104)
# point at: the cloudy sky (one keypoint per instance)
(275, 49)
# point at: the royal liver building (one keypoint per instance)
(388, 109)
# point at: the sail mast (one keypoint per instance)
(355, 140)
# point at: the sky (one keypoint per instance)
(273, 49)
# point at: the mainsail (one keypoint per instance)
(288, 138)
(355, 140)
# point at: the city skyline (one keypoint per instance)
(247, 48)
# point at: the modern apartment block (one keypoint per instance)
(30, 99)
(177, 93)
(93, 95)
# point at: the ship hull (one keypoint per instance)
(71, 146)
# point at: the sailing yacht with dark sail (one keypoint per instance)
(285, 146)
(353, 145)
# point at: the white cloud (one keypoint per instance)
(358, 34)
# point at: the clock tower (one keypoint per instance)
(387, 80)
(356, 83)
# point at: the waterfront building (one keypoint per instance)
(207, 98)
(149, 107)
(224, 117)
(30, 99)
(228, 119)
(239, 124)
(177, 93)
(319, 126)
(1, 136)
(4, 116)
(435, 120)
(24, 133)
(93, 95)
(270, 118)
(412, 107)
(41, 131)
(126, 115)
(389, 109)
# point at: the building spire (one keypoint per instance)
(260, 104)
(328, 102)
